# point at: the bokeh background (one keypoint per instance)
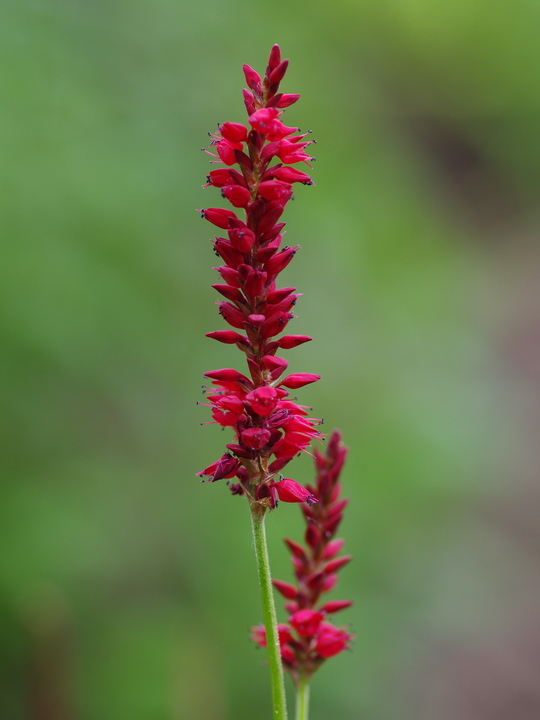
(127, 587)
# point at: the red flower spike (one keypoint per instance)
(315, 566)
(270, 428)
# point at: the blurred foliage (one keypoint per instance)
(127, 587)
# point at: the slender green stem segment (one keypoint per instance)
(279, 701)
(302, 699)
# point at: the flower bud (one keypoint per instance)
(218, 216)
(235, 132)
(237, 195)
(286, 589)
(306, 622)
(291, 491)
(255, 438)
(298, 380)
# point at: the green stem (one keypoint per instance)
(302, 699)
(279, 702)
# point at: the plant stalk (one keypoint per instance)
(279, 701)
(302, 699)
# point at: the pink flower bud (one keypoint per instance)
(255, 438)
(306, 622)
(226, 152)
(286, 589)
(238, 196)
(253, 79)
(263, 400)
(332, 525)
(275, 190)
(291, 175)
(256, 320)
(275, 324)
(228, 253)
(227, 374)
(276, 76)
(290, 491)
(255, 282)
(331, 640)
(337, 564)
(231, 293)
(276, 296)
(329, 583)
(298, 380)
(288, 655)
(279, 262)
(296, 549)
(218, 216)
(278, 464)
(229, 275)
(229, 337)
(273, 364)
(258, 635)
(232, 315)
(242, 239)
(274, 58)
(332, 549)
(312, 536)
(272, 213)
(291, 341)
(334, 606)
(287, 100)
(266, 252)
(225, 176)
(235, 132)
(249, 102)
(263, 120)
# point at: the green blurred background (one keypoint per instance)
(127, 588)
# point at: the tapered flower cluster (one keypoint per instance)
(308, 639)
(270, 428)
